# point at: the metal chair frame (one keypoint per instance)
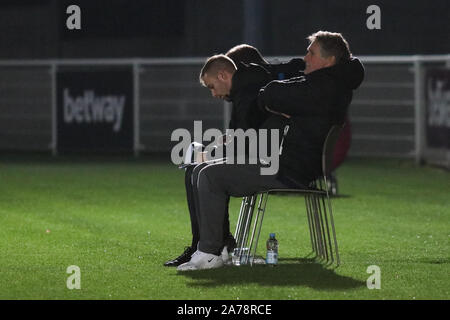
(318, 211)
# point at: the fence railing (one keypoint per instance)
(387, 113)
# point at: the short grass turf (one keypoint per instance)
(120, 219)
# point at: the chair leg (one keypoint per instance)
(244, 220)
(245, 223)
(241, 218)
(318, 227)
(317, 210)
(244, 256)
(311, 223)
(257, 225)
(338, 260)
(248, 221)
(327, 227)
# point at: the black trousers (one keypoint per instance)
(212, 185)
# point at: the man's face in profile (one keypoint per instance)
(219, 84)
(314, 60)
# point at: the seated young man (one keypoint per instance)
(240, 85)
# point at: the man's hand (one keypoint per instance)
(200, 157)
(224, 140)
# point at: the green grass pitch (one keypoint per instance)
(120, 219)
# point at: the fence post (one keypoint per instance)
(226, 114)
(136, 107)
(419, 110)
(54, 143)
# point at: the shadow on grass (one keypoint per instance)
(286, 194)
(289, 272)
(436, 261)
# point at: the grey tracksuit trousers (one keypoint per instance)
(213, 183)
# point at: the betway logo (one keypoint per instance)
(91, 108)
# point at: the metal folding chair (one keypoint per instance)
(318, 211)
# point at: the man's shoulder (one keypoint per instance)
(346, 75)
(250, 75)
(252, 69)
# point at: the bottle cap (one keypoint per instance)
(272, 235)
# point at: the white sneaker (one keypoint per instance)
(201, 260)
(225, 255)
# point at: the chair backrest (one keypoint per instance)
(328, 148)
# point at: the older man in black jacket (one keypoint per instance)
(315, 102)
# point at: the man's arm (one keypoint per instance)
(279, 113)
(298, 97)
(286, 70)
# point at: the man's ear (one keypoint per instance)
(222, 75)
(331, 61)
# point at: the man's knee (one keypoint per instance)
(195, 173)
(210, 178)
(188, 173)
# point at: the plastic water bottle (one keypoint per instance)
(272, 250)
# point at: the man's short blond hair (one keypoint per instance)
(216, 63)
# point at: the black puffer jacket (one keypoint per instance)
(286, 70)
(246, 83)
(315, 102)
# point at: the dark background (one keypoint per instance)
(175, 28)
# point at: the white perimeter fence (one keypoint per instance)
(388, 112)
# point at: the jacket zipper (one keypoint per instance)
(285, 131)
